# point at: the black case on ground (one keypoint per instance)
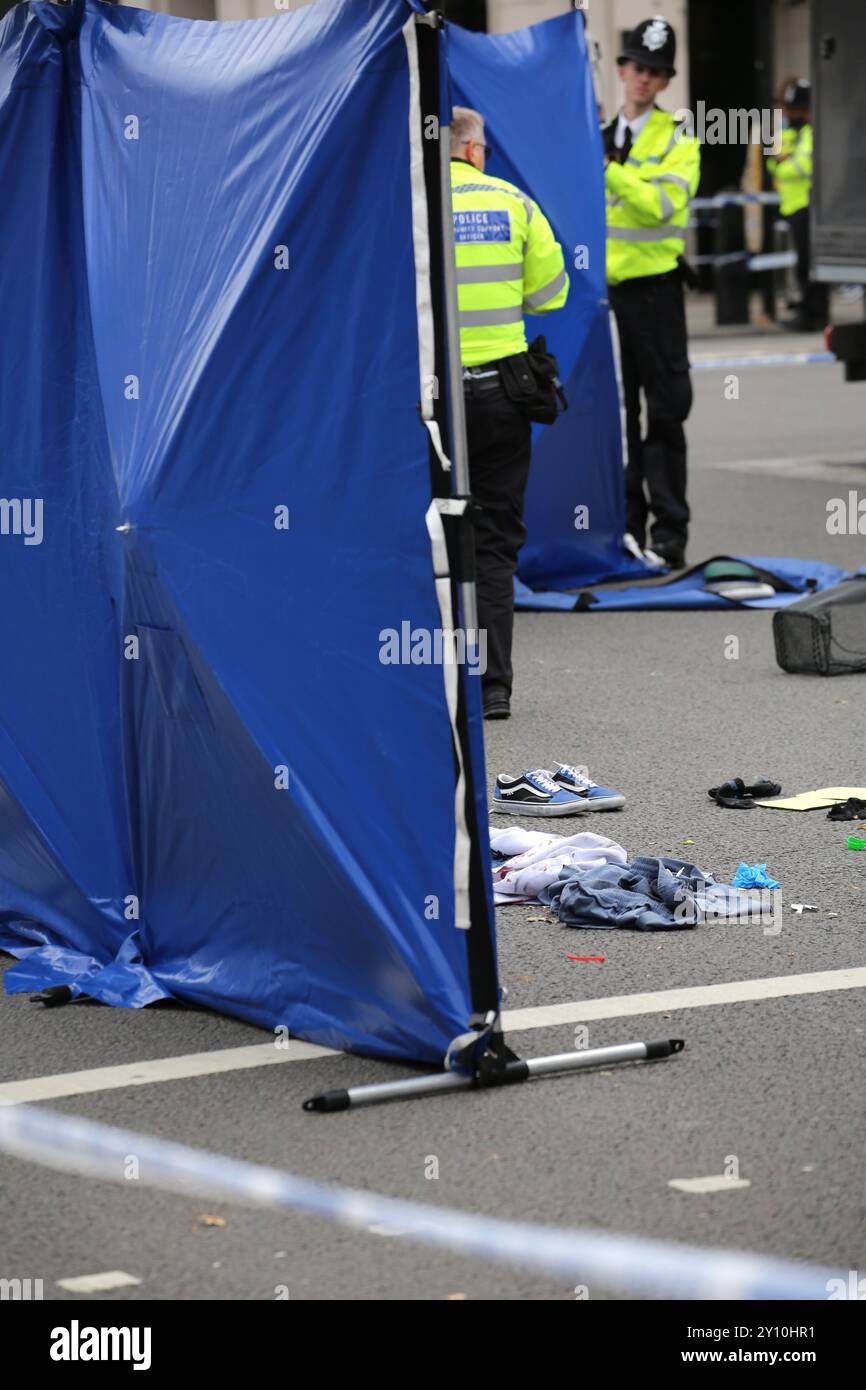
(825, 633)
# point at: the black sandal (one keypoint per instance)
(852, 809)
(736, 796)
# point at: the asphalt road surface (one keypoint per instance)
(769, 1088)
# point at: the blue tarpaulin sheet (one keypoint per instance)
(556, 157)
(211, 787)
(688, 591)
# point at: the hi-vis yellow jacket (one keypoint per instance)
(648, 200)
(793, 176)
(508, 264)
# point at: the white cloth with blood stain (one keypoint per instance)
(535, 859)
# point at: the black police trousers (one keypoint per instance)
(500, 447)
(815, 306)
(651, 321)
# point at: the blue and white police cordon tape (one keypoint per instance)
(722, 200)
(763, 260)
(767, 359)
(621, 1264)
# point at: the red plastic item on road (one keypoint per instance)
(585, 957)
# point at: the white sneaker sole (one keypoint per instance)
(527, 808)
(605, 803)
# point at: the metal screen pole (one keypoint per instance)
(457, 414)
(515, 1072)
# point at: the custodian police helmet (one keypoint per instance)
(652, 43)
(798, 95)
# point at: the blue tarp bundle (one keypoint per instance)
(211, 787)
(577, 463)
(793, 577)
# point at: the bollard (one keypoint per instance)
(732, 275)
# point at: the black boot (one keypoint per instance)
(497, 704)
(672, 552)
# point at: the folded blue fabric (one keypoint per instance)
(648, 894)
(754, 876)
(689, 592)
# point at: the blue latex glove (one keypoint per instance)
(754, 876)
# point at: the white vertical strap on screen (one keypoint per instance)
(617, 363)
(436, 436)
(452, 506)
(421, 242)
(427, 362)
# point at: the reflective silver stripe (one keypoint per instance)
(657, 158)
(668, 205)
(679, 132)
(495, 188)
(487, 274)
(489, 318)
(798, 166)
(548, 291)
(479, 188)
(645, 233)
(672, 178)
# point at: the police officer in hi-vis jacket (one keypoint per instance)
(791, 171)
(652, 171)
(508, 264)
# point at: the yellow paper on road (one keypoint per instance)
(813, 801)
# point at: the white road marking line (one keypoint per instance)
(79, 1083)
(717, 1182)
(831, 466)
(695, 997)
(98, 1283)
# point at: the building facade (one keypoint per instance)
(770, 36)
(752, 46)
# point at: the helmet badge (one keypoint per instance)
(656, 34)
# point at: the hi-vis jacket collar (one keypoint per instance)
(649, 136)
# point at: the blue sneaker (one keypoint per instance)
(534, 793)
(571, 779)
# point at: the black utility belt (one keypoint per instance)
(530, 380)
(682, 271)
(638, 280)
(472, 386)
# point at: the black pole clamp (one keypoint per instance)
(481, 1052)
